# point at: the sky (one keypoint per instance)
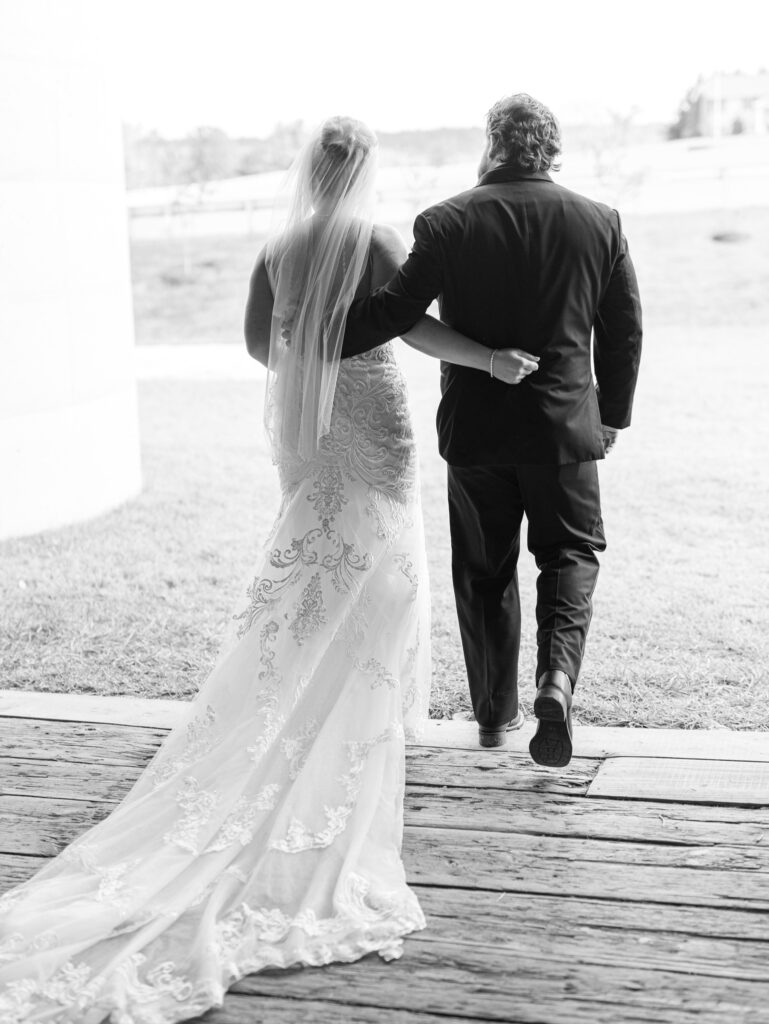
(245, 66)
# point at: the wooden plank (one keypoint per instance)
(546, 809)
(587, 868)
(88, 707)
(736, 877)
(70, 780)
(16, 868)
(559, 926)
(683, 780)
(449, 766)
(86, 743)
(603, 741)
(551, 814)
(579, 930)
(591, 741)
(464, 915)
(458, 914)
(583, 931)
(572, 904)
(42, 827)
(79, 742)
(514, 811)
(244, 1009)
(431, 766)
(484, 982)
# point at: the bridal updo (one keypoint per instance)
(344, 146)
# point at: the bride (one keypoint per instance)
(266, 830)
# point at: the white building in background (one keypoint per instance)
(69, 442)
(728, 104)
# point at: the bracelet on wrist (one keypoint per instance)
(491, 363)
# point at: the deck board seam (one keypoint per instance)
(454, 886)
(313, 998)
(587, 959)
(581, 837)
(572, 837)
(459, 792)
(731, 907)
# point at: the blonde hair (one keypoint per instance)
(342, 148)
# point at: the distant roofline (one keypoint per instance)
(733, 85)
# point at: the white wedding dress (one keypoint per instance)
(266, 830)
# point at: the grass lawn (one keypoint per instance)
(686, 277)
(134, 602)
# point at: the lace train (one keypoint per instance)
(266, 831)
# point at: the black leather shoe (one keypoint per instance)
(551, 744)
(498, 737)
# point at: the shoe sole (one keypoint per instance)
(551, 745)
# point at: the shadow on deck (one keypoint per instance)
(632, 886)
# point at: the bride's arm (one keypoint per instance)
(435, 338)
(258, 318)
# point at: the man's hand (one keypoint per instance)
(511, 365)
(609, 435)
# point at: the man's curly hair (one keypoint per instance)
(524, 132)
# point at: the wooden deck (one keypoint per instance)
(632, 886)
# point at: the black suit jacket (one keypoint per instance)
(518, 261)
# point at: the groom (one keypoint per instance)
(519, 260)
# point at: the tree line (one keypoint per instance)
(208, 153)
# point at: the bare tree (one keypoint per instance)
(610, 150)
(210, 156)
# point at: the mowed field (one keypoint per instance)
(135, 601)
(194, 291)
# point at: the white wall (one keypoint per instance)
(69, 445)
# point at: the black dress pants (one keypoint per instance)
(486, 507)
